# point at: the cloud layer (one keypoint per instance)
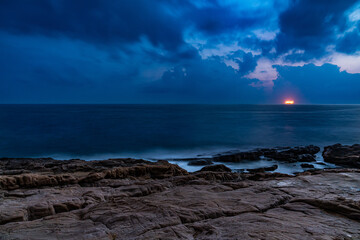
(179, 51)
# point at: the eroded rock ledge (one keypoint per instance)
(343, 155)
(137, 199)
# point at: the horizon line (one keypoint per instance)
(298, 104)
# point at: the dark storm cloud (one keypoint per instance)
(97, 21)
(54, 51)
(330, 86)
(247, 62)
(206, 81)
(216, 19)
(118, 22)
(312, 25)
(200, 75)
(350, 43)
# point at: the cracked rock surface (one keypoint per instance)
(136, 199)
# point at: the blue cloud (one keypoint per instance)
(176, 50)
(312, 25)
(350, 42)
(96, 21)
(314, 84)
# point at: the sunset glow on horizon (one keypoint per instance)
(289, 102)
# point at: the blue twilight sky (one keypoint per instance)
(179, 51)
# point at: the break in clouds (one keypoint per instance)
(179, 51)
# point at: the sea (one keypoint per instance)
(171, 132)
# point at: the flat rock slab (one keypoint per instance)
(161, 201)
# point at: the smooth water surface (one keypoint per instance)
(155, 131)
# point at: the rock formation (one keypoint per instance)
(343, 155)
(263, 169)
(137, 199)
(200, 162)
(287, 154)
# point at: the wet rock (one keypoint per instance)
(264, 176)
(307, 165)
(310, 149)
(216, 168)
(287, 154)
(295, 154)
(271, 168)
(263, 169)
(343, 155)
(306, 158)
(238, 156)
(200, 162)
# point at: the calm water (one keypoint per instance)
(102, 131)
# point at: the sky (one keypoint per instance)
(180, 51)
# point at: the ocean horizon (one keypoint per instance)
(101, 131)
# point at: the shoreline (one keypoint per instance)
(288, 159)
(138, 199)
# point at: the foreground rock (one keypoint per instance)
(343, 155)
(136, 199)
(216, 168)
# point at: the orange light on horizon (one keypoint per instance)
(289, 102)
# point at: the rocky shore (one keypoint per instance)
(137, 199)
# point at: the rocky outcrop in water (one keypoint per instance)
(343, 155)
(286, 154)
(238, 156)
(263, 169)
(137, 199)
(307, 165)
(200, 162)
